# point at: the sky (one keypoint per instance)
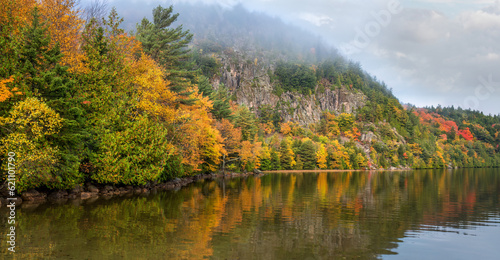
(430, 52)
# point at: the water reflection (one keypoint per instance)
(277, 216)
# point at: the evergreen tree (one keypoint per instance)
(220, 98)
(168, 46)
(53, 83)
(204, 87)
(247, 121)
(275, 160)
(10, 45)
(37, 61)
(307, 153)
(221, 107)
(287, 156)
(38, 74)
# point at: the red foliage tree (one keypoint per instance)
(466, 134)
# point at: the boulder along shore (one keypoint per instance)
(90, 192)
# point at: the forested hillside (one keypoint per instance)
(82, 100)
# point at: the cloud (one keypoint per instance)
(316, 19)
(420, 26)
(438, 57)
(432, 51)
(480, 20)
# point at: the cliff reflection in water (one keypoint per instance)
(276, 216)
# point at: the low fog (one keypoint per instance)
(428, 52)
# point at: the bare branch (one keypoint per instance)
(97, 9)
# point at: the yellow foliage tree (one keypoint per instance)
(250, 154)
(332, 127)
(246, 153)
(64, 26)
(321, 156)
(335, 155)
(28, 124)
(231, 138)
(155, 98)
(285, 128)
(361, 161)
(265, 154)
(257, 149)
(267, 127)
(190, 127)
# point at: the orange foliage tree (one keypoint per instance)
(5, 91)
(64, 26)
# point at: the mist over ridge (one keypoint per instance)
(428, 55)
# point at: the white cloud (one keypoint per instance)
(480, 20)
(316, 19)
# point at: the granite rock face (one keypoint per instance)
(250, 83)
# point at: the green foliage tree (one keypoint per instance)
(135, 155)
(204, 86)
(275, 160)
(247, 121)
(307, 152)
(40, 75)
(122, 142)
(221, 106)
(207, 65)
(31, 124)
(287, 156)
(294, 77)
(269, 114)
(220, 98)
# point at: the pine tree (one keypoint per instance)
(168, 46)
(287, 156)
(204, 87)
(307, 153)
(247, 121)
(37, 73)
(37, 61)
(221, 106)
(51, 81)
(275, 160)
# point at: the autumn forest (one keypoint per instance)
(83, 100)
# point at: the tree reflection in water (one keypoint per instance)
(276, 216)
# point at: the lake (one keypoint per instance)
(428, 214)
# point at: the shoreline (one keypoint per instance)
(90, 192)
(337, 170)
(93, 191)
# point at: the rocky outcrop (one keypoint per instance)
(368, 137)
(33, 195)
(250, 82)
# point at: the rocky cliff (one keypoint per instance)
(249, 80)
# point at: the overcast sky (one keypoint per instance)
(429, 52)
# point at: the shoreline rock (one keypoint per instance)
(90, 192)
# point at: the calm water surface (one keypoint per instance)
(336, 215)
